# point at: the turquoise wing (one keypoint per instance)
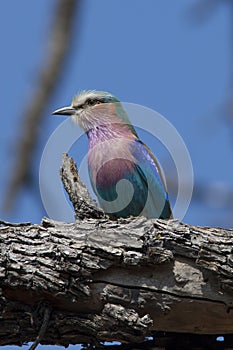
(157, 204)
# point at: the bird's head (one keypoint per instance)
(91, 109)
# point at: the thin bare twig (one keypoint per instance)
(44, 326)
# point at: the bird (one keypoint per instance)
(124, 173)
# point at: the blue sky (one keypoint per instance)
(145, 52)
(151, 55)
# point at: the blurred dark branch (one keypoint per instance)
(215, 194)
(222, 195)
(202, 9)
(59, 43)
(230, 105)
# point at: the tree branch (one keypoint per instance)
(105, 280)
(119, 280)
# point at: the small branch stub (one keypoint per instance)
(84, 205)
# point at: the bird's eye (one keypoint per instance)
(91, 102)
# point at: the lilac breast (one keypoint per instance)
(109, 158)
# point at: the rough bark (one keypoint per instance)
(98, 280)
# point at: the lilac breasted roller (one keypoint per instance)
(124, 173)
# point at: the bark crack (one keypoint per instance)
(162, 291)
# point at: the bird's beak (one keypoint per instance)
(64, 111)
